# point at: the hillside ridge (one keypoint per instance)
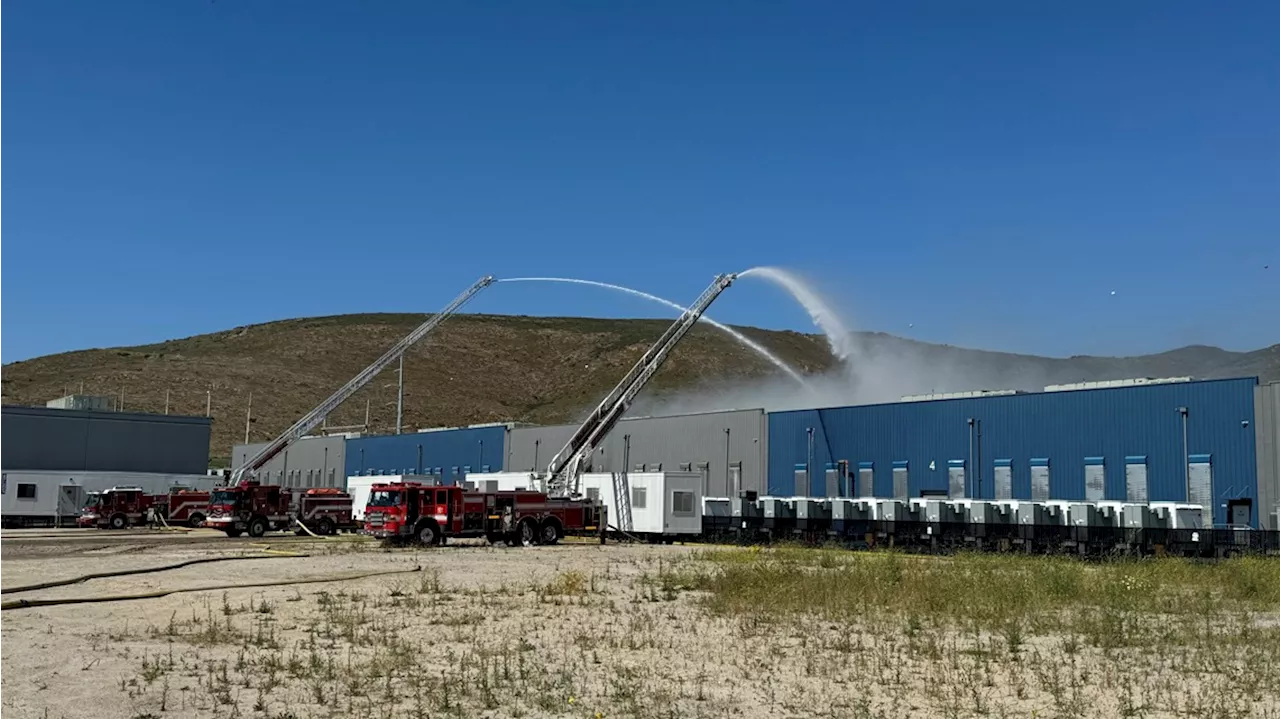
(487, 368)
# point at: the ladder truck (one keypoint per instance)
(564, 473)
(249, 470)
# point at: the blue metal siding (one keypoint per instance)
(416, 453)
(1065, 427)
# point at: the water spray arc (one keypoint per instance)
(741, 338)
(839, 338)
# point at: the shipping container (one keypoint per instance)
(1058, 438)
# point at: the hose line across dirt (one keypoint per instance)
(273, 554)
(26, 603)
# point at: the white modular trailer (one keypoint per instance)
(506, 481)
(662, 503)
(52, 497)
(358, 487)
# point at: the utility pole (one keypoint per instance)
(208, 402)
(808, 470)
(536, 443)
(248, 417)
(122, 398)
(366, 415)
(727, 481)
(1186, 456)
(166, 401)
(400, 396)
(969, 467)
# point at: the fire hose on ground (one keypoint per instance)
(27, 603)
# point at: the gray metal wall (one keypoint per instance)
(691, 439)
(65, 439)
(309, 462)
(1266, 427)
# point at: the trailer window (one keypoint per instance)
(682, 503)
(638, 496)
(26, 491)
(593, 494)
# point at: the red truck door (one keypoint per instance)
(441, 511)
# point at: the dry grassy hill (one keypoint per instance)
(481, 368)
(474, 368)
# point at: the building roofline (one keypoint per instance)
(55, 413)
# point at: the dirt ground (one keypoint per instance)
(469, 630)
(394, 645)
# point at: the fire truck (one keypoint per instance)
(118, 508)
(432, 514)
(121, 507)
(255, 509)
(183, 506)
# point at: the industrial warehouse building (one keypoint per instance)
(1214, 443)
(729, 449)
(90, 440)
(1123, 443)
(313, 462)
(54, 457)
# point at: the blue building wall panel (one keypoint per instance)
(1065, 427)
(452, 450)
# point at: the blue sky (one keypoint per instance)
(982, 174)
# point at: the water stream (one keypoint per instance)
(746, 341)
(842, 342)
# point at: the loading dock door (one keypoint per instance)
(866, 481)
(1095, 479)
(1135, 478)
(1004, 478)
(1040, 479)
(1200, 479)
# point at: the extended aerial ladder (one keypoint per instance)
(312, 419)
(564, 474)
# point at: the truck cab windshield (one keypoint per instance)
(384, 498)
(223, 497)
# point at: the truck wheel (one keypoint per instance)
(427, 534)
(550, 532)
(325, 528)
(257, 527)
(232, 532)
(527, 533)
(196, 520)
(119, 521)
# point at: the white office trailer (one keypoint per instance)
(664, 505)
(54, 498)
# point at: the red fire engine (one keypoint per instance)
(117, 508)
(184, 506)
(258, 508)
(432, 514)
(121, 507)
